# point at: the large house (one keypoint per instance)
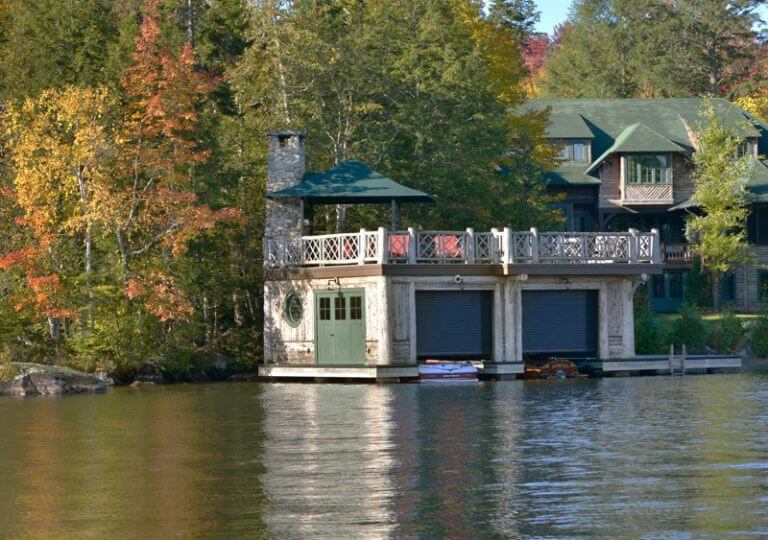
(626, 163)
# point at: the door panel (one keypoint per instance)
(340, 338)
(454, 324)
(560, 322)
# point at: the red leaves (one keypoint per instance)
(161, 296)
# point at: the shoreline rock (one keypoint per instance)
(43, 380)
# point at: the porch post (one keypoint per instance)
(633, 248)
(534, 244)
(362, 247)
(469, 247)
(381, 246)
(411, 246)
(656, 247)
(396, 215)
(506, 246)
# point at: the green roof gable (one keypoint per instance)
(350, 182)
(637, 138)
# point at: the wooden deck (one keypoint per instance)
(495, 247)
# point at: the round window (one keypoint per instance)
(294, 309)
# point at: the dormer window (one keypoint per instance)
(648, 169)
(574, 150)
(747, 147)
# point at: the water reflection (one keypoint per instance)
(641, 456)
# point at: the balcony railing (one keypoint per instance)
(677, 253)
(461, 247)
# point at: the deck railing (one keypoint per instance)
(497, 246)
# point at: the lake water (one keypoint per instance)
(657, 457)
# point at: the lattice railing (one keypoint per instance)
(465, 247)
(648, 193)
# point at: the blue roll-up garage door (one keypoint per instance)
(560, 323)
(454, 324)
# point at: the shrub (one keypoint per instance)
(728, 334)
(690, 330)
(649, 338)
(758, 337)
(698, 288)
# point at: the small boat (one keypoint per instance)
(551, 368)
(444, 371)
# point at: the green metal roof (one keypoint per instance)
(637, 138)
(570, 173)
(350, 182)
(568, 126)
(666, 123)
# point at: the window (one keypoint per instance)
(657, 286)
(325, 309)
(574, 150)
(747, 147)
(294, 309)
(762, 285)
(648, 169)
(341, 308)
(757, 226)
(355, 308)
(579, 152)
(675, 284)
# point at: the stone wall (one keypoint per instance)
(285, 169)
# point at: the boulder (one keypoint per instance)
(39, 379)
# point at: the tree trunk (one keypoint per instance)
(191, 23)
(54, 325)
(716, 292)
(88, 247)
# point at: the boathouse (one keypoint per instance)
(372, 304)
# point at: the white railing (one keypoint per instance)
(462, 247)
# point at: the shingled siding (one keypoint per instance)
(610, 182)
(682, 181)
(747, 280)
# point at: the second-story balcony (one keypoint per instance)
(497, 246)
(647, 194)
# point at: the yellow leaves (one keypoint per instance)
(755, 103)
(57, 142)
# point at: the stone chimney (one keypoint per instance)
(285, 168)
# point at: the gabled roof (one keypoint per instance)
(350, 182)
(568, 126)
(637, 138)
(671, 120)
(570, 173)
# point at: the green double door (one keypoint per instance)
(340, 327)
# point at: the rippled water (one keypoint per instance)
(654, 457)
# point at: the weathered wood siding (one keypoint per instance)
(747, 280)
(391, 314)
(610, 182)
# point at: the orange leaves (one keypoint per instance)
(46, 297)
(161, 296)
